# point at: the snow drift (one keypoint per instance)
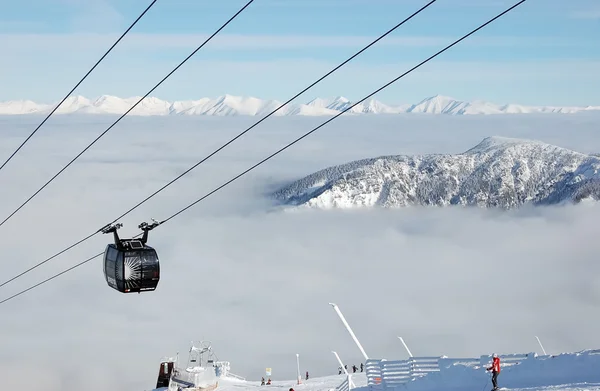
(229, 105)
(498, 172)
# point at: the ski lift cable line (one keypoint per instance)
(78, 84)
(128, 111)
(293, 142)
(342, 112)
(226, 144)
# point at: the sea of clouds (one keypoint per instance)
(257, 281)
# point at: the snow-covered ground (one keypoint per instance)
(331, 382)
(567, 370)
(312, 384)
(564, 372)
(328, 383)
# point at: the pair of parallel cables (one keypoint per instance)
(273, 154)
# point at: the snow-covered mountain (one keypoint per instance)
(228, 105)
(498, 172)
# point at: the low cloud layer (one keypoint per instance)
(255, 280)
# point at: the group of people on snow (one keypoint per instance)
(354, 368)
(268, 383)
(262, 382)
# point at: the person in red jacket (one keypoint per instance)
(495, 368)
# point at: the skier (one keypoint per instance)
(354, 368)
(362, 367)
(495, 368)
(262, 381)
(306, 375)
(339, 370)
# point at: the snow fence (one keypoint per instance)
(518, 371)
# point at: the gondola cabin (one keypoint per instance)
(131, 268)
(130, 265)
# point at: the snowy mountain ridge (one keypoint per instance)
(229, 105)
(497, 172)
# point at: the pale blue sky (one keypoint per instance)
(543, 52)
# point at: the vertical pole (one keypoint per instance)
(298, 364)
(175, 367)
(405, 347)
(543, 350)
(336, 308)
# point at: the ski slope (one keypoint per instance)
(324, 383)
(329, 383)
(520, 372)
(313, 384)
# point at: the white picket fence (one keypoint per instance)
(384, 375)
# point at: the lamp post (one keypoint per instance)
(350, 382)
(405, 347)
(298, 364)
(541, 346)
(337, 310)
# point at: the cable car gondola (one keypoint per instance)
(129, 264)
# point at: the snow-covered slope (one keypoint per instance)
(563, 372)
(228, 105)
(324, 383)
(498, 172)
(567, 371)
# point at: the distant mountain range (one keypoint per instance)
(498, 172)
(228, 105)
